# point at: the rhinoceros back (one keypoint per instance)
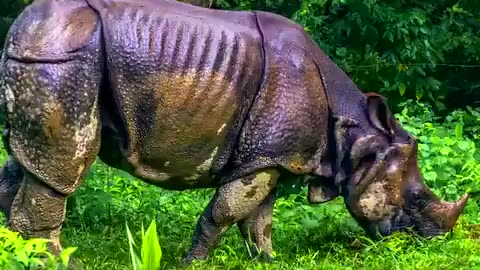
(183, 79)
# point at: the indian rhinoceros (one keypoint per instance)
(187, 97)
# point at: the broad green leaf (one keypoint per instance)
(310, 223)
(463, 145)
(36, 244)
(401, 89)
(451, 190)
(458, 131)
(22, 256)
(37, 262)
(445, 151)
(419, 94)
(431, 176)
(440, 105)
(151, 251)
(341, 51)
(402, 67)
(389, 36)
(65, 255)
(457, 9)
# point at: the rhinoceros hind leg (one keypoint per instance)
(38, 211)
(232, 202)
(51, 76)
(11, 176)
(256, 229)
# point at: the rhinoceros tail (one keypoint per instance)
(3, 108)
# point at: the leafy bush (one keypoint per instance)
(283, 7)
(17, 253)
(10, 9)
(427, 50)
(402, 49)
(449, 156)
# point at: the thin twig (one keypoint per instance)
(415, 64)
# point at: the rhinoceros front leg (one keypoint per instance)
(232, 202)
(256, 229)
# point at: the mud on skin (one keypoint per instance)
(184, 97)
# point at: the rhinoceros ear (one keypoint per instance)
(379, 114)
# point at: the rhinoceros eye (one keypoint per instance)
(367, 160)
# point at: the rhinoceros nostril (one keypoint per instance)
(400, 221)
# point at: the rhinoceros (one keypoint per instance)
(186, 97)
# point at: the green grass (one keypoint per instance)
(305, 237)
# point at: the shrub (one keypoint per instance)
(17, 253)
(448, 155)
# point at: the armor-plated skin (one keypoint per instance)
(186, 63)
(186, 97)
(181, 88)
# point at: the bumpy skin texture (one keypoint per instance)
(176, 95)
(181, 83)
(11, 176)
(291, 99)
(185, 97)
(51, 76)
(234, 202)
(256, 228)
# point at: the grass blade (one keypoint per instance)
(151, 251)
(136, 262)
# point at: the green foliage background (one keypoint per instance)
(422, 54)
(426, 50)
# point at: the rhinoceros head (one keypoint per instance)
(383, 187)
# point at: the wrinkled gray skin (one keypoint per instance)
(185, 97)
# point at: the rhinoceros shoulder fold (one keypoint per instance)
(345, 97)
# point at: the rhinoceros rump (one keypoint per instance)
(185, 97)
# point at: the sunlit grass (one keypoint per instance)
(305, 237)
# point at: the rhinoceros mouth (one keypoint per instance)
(435, 219)
(399, 221)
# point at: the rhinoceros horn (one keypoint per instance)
(442, 215)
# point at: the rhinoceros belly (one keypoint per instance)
(182, 86)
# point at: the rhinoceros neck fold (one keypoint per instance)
(345, 99)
